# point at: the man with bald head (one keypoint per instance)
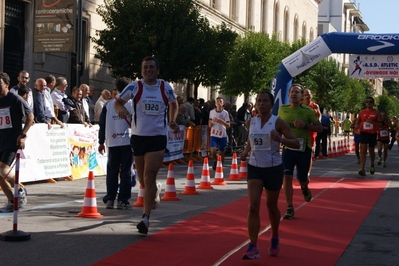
(39, 102)
(105, 96)
(85, 93)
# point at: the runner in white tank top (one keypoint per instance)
(265, 169)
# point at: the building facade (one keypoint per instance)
(291, 20)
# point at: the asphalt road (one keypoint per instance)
(58, 237)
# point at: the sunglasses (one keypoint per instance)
(369, 102)
(24, 77)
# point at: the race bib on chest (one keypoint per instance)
(5, 118)
(367, 126)
(216, 132)
(260, 142)
(151, 107)
(384, 133)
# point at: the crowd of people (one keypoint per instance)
(134, 119)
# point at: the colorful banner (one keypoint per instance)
(73, 151)
(374, 66)
(54, 26)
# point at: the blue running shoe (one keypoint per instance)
(252, 253)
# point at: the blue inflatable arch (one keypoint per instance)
(323, 46)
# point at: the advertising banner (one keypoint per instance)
(54, 26)
(73, 151)
(374, 66)
(306, 57)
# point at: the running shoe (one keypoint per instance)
(252, 253)
(157, 198)
(384, 164)
(307, 195)
(8, 207)
(362, 172)
(143, 225)
(289, 214)
(22, 200)
(379, 161)
(372, 170)
(274, 247)
(124, 205)
(109, 204)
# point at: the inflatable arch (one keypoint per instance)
(323, 46)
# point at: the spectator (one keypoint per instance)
(78, 115)
(39, 102)
(190, 113)
(61, 99)
(181, 118)
(85, 92)
(105, 96)
(23, 80)
(120, 155)
(91, 103)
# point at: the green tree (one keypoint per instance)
(253, 63)
(167, 29)
(392, 87)
(217, 44)
(328, 83)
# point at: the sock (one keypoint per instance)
(146, 215)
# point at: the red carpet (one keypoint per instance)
(318, 235)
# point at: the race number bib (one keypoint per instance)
(260, 142)
(384, 133)
(151, 107)
(367, 126)
(5, 118)
(216, 132)
(300, 145)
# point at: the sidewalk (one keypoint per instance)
(59, 238)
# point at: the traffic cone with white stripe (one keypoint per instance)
(205, 176)
(89, 209)
(243, 170)
(170, 190)
(140, 198)
(218, 180)
(234, 169)
(189, 189)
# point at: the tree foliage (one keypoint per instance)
(171, 30)
(253, 63)
(217, 44)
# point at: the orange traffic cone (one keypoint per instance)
(89, 209)
(205, 177)
(140, 198)
(218, 180)
(243, 170)
(329, 151)
(170, 190)
(234, 169)
(334, 150)
(189, 189)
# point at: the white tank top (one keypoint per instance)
(264, 151)
(117, 130)
(150, 116)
